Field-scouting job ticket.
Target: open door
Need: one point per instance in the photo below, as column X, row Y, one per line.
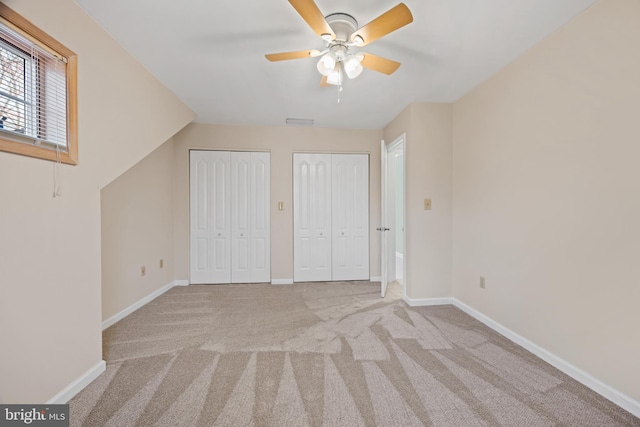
column 384, row 250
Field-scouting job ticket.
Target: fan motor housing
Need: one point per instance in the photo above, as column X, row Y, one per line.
column 343, row 26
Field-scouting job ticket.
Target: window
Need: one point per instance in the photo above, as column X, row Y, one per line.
column 38, row 92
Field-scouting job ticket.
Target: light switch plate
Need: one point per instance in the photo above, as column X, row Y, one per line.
column 427, row 204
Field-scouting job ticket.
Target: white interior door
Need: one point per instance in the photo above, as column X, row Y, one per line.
column 241, row 208
column 350, row 216
column 230, row 217
column 210, row 217
column 384, row 250
column 312, row 217
column 260, row 218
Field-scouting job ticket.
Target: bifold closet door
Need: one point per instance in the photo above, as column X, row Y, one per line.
column 230, row 217
column 312, row 217
column 250, row 222
column 210, row 222
column 331, row 217
column 350, row 216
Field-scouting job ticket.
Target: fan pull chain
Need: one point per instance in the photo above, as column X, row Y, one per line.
column 339, row 80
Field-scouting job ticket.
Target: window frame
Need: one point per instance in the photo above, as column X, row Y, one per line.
column 28, row 148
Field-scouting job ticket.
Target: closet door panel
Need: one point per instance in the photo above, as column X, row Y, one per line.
column 342, row 189
column 260, row 218
column 221, row 210
column 210, row 217
column 240, row 209
column 350, row 217
column 360, row 225
column 200, row 170
column 302, row 216
column 312, row 217
column 321, row 215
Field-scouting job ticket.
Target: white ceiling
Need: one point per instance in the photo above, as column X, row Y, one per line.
column 211, row 53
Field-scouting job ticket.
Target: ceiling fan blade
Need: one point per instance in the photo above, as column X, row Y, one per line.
column 323, row 81
column 312, row 15
column 391, row 20
column 300, row 54
column 379, row 64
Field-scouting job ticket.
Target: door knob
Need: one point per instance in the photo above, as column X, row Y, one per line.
column 382, row 229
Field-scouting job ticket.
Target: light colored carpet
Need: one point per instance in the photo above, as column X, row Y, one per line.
column 332, row 354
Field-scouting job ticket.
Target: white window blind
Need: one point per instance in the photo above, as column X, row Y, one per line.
column 33, row 92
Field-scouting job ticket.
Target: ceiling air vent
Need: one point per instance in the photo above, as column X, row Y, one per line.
column 299, row 122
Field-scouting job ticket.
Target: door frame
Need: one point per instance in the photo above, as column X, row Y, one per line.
column 190, row 251
column 398, row 144
column 369, row 207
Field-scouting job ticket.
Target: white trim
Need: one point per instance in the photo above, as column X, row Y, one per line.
column 76, row 386
column 427, row 301
column 577, row 374
column 127, row 311
column 375, row 279
column 396, row 142
column 282, row 281
column 399, row 255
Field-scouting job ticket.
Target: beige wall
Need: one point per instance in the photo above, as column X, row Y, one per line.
column 427, row 128
column 546, row 186
column 282, row 142
column 137, row 230
column 50, row 310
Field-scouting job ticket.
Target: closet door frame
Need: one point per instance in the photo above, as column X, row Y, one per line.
column 239, row 236
column 308, row 248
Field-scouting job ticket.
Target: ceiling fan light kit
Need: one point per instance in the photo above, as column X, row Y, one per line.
column 340, row 33
column 353, row 65
column 335, row 76
column 326, row 64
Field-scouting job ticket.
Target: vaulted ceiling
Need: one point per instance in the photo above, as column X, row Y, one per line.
column 211, row 53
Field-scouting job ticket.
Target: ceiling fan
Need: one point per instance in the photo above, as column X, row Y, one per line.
column 341, row 35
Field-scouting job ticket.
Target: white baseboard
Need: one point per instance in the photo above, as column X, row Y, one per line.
column 180, row 283
column 577, row 374
column 127, row 311
column 282, row 281
column 80, row 383
column 427, row 301
column 375, row 279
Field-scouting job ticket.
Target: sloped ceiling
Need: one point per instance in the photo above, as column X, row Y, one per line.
column 211, row 53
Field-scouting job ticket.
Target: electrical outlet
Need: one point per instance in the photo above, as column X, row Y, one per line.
column 143, row 271
column 161, row 263
column 482, row 282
